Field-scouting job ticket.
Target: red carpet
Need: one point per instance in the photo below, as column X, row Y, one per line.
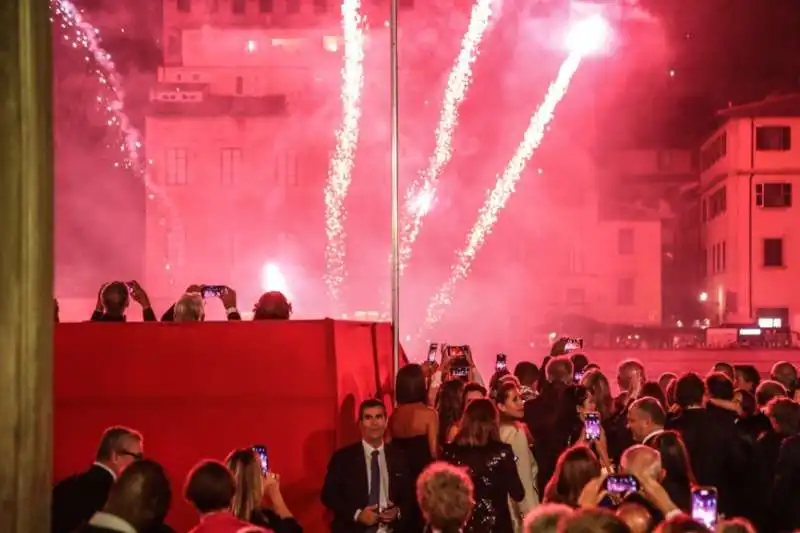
column 200, row 390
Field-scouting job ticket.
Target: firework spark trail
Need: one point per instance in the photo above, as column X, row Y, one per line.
column 421, row 192
column 341, row 165
column 498, row 196
column 80, row 33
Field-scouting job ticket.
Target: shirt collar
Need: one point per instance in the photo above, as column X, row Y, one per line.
column 653, row 434
column 368, row 449
column 112, row 522
column 107, row 469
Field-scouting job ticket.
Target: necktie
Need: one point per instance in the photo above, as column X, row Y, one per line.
column 374, row 479
column 374, row 497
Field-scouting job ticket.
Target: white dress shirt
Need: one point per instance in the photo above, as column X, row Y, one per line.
column 651, row 435
column 110, row 521
column 383, row 500
column 107, row 469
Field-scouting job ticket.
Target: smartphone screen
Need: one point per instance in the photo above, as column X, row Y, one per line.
column 501, row 363
column 592, row 426
column 211, row 291
column 704, row 506
column 622, row 484
column 432, row 349
column 578, row 376
column 461, row 372
column 261, row 451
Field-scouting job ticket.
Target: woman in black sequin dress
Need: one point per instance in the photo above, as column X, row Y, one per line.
column 491, row 466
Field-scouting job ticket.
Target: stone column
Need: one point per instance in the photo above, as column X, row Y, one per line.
column 26, row 266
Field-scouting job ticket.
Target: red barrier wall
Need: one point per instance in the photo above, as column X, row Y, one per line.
column 199, row 390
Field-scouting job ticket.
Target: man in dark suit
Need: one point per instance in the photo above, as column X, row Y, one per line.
column 114, row 298
column 138, row 502
column 78, row 497
column 366, row 486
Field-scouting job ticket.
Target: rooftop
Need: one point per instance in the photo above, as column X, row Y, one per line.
column 782, row 105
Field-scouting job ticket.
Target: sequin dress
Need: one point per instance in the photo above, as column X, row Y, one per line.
column 493, row 471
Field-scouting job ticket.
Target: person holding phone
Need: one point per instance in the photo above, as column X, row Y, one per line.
column 454, row 361
column 258, row 497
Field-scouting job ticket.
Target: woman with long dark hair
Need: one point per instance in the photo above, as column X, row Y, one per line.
column 678, row 476
column 414, row 430
column 575, row 468
column 491, row 467
column 450, row 406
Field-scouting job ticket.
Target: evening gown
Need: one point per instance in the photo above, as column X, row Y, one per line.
column 493, row 471
column 417, row 455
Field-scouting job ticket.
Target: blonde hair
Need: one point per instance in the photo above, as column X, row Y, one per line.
column 445, row 495
column 249, row 482
column 190, row 308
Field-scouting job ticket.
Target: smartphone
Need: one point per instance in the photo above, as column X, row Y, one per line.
column 461, row 372
column 501, row 363
column 212, row 291
column 621, row 484
column 573, row 344
column 592, row 426
column 704, row 506
column 129, row 284
column 578, row 376
column 261, row 451
column 432, row 349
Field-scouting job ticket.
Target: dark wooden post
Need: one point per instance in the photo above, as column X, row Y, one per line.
column 26, row 266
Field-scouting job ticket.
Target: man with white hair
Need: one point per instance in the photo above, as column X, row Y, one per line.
column 642, row 460
column 190, row 308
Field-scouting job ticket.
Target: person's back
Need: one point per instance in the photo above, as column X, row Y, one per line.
column 139, row 501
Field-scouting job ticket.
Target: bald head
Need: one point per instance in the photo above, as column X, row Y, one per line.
column 141, row 496
column 636, row 517
column 642, row 460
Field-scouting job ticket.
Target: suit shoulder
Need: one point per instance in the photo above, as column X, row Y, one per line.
column 346, row 452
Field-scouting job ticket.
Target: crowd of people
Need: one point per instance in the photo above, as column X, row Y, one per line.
column 680, row 454
column 114, row 300
column 545, row 448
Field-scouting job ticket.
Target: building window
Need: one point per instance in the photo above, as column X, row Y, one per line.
column 265, row 6
column 723, row 256
column 576, row 296
column 625, row 241
column 774, row 194
column 717, row 203
column 576, row 265
column 773, row 252
column 714, row 259
column 287, row 168
column 773, row 138
column 704, row 264
column 176, row 246
column 176, row 170
column 231, row 166
column 239, row 7
column 704, row 210
column 293, row 6
column 185, row 6
column 320, row 6
column 625, row 294
column 716, row 150
column 239, row 85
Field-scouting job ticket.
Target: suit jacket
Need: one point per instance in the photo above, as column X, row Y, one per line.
column 717, row 452
column 783, row 501
column 78, row 497
column 346, row 487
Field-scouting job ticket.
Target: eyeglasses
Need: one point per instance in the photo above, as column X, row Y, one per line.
column 137, row 456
